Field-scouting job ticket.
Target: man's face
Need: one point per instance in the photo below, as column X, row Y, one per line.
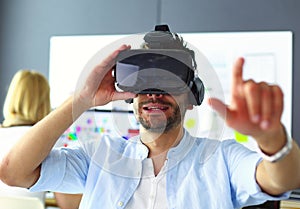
column 160, row 112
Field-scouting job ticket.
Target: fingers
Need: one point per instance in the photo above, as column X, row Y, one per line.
column 252, row 95
column 98, row 88
column 109, row 62
column 254, row 106
column 264, row 103
column 237, row 77
column 278, row 102
column 98, row 73
column 218, row 106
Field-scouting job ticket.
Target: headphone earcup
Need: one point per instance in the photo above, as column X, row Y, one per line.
column 197, row 90
column 129, row 101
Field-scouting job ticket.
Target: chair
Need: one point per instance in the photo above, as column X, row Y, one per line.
column 8, row 202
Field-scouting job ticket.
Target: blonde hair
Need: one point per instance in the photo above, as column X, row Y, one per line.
column 27, row 100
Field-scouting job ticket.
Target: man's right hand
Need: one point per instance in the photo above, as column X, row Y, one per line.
column 99, row 88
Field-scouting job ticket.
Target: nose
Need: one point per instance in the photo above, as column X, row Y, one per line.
column 154, row 96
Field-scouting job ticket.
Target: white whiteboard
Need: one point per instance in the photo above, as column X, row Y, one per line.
column 268, row 57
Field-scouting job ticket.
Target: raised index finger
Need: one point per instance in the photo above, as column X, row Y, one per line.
column 237, row 78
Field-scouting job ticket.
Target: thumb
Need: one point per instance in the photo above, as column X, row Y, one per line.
column 218, row 106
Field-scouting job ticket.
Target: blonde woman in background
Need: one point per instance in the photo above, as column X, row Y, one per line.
column 27, row 102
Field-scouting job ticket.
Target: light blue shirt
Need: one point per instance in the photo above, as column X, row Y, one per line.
column 201, row 173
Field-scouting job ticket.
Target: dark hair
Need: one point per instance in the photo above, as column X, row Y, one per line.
column 167, row 40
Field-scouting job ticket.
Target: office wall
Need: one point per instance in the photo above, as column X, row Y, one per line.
column 26, row 26
column 235, row 15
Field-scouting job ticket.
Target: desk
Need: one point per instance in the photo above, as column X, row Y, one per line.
column 289, row 204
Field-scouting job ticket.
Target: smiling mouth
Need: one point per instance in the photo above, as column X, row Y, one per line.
column 154, row 108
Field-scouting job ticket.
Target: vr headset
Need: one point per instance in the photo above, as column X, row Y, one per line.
column 154, row 71
column 158, row 70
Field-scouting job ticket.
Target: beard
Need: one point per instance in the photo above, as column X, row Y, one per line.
column 163, row 125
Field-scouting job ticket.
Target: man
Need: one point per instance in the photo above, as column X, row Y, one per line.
column 163, row 167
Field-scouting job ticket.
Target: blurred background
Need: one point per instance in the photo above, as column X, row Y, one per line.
column 27, row 26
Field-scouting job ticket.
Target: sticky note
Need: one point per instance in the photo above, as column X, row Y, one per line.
column 190, row 123
column 240, row 137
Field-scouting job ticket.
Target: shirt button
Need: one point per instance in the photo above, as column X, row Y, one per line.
column 120, row 203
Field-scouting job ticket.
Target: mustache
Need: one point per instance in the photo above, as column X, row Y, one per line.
column 156, row 101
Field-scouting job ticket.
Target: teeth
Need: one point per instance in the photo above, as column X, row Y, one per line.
column 156, row 108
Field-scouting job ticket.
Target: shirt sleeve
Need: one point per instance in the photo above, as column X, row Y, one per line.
column 64, row 170
column 242, row 164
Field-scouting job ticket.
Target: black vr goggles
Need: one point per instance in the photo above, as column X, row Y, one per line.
column 154, row 71
column 158, row 71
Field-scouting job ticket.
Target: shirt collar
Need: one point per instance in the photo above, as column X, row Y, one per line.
column 175, row 153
